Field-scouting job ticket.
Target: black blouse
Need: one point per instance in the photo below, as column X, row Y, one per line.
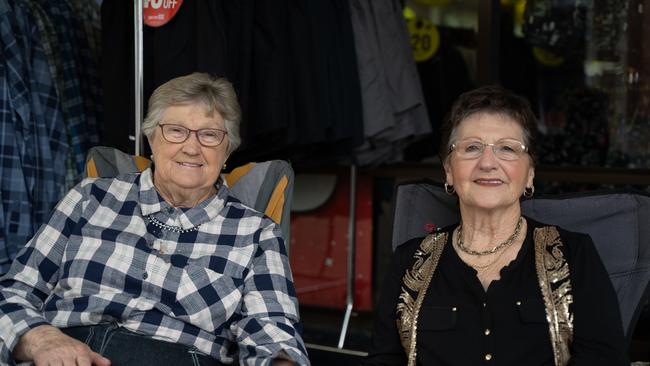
column 461, row 324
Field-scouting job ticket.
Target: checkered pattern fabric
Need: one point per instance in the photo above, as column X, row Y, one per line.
column 81, row 125
column 33, row 139
column 215, row 276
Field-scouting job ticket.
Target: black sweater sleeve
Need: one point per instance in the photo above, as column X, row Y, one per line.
column 598, row 332
column 386, row 347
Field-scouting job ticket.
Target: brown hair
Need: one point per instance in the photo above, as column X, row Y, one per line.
column 489, row 99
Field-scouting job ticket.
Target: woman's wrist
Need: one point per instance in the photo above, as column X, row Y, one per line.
column 31, row 341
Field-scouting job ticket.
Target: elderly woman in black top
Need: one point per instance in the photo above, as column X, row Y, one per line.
column 497, row 288
column 160, row 267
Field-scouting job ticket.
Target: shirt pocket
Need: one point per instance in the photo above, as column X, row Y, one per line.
column 437, row 318
column 206, row 298
column 531, row 311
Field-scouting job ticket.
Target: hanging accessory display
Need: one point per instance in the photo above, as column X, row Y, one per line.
column 161, row 225
column 493, row 250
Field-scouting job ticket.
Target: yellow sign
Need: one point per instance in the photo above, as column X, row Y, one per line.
column 547, row 58
column 425, row 38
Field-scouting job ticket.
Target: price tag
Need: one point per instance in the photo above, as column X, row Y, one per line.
column 157, row 13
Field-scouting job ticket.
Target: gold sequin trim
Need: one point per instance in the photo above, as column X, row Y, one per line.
column 416, row 282
column 553, row 276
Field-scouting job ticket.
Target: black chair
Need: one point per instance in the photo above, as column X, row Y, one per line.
column 618, row 222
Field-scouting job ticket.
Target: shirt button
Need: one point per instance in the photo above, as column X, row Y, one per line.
column 144, row 275
column 487, row 331
column 485, row 304
column 488, row 357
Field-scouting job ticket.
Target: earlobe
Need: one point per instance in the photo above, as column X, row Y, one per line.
column 448, row 176
column 531, row 177
column 449, row 180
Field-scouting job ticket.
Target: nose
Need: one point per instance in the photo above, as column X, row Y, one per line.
column 488, row 160
column 192, row 145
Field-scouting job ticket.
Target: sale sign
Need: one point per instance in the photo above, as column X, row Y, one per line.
column 157, row 13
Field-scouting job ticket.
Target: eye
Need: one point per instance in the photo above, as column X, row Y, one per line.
column 212, row 135
column 473, row 146
column 508, row 148
column 209, row 134
column 176, row 130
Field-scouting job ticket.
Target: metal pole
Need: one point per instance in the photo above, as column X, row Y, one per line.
column 487, row 66
column 351, row 254
column 137, row 53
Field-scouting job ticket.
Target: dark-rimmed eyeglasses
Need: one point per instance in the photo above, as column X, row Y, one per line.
column 506, row 149
column 177, row 134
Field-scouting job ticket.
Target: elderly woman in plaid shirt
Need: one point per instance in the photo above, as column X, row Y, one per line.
column 161, row 267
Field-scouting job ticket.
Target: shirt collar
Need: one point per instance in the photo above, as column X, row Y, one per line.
column 151, row 203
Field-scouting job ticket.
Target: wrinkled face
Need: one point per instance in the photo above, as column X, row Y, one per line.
column 180, row 167
column 487, row 182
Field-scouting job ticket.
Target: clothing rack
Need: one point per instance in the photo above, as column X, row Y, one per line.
column 349, row 288
column 138, row 65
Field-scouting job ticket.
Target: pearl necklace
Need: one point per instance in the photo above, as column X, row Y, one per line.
column 161, row 225
column 493, row 250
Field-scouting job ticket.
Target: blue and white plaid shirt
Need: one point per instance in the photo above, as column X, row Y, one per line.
column 215, row 276
column 33, row 135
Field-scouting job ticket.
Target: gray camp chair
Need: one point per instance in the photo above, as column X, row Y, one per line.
column 266, row 186
column 618, row 222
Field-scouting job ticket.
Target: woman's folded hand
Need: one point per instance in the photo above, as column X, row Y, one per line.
column 47, row 345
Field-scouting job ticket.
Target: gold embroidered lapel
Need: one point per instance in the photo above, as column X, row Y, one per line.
column 415, row 284
column 553, row 276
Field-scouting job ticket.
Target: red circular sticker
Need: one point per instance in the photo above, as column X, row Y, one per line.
column 157, row 13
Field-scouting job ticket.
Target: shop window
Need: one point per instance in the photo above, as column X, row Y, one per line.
column 584, row 65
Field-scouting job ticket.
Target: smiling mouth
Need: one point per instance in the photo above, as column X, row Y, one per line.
column 190, row 165
column 489, row 182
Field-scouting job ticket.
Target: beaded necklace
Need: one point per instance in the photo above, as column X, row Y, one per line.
column 161, row 225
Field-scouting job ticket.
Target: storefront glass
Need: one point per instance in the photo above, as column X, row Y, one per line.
column 584, row 65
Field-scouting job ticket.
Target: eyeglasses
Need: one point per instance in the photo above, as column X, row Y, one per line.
column 208, row 137
column 507, row 149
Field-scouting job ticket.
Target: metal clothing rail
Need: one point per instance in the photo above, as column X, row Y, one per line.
column 138, row 64
column 351, row 255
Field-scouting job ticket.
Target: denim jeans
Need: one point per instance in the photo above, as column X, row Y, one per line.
column 126, row 348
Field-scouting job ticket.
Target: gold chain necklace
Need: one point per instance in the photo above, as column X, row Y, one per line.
column 493, row 250
column 477, row 267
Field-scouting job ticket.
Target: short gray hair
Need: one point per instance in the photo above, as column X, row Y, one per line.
column 216, row 94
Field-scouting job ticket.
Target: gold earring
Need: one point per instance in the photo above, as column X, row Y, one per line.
column 529, row 191
column 449, row 189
